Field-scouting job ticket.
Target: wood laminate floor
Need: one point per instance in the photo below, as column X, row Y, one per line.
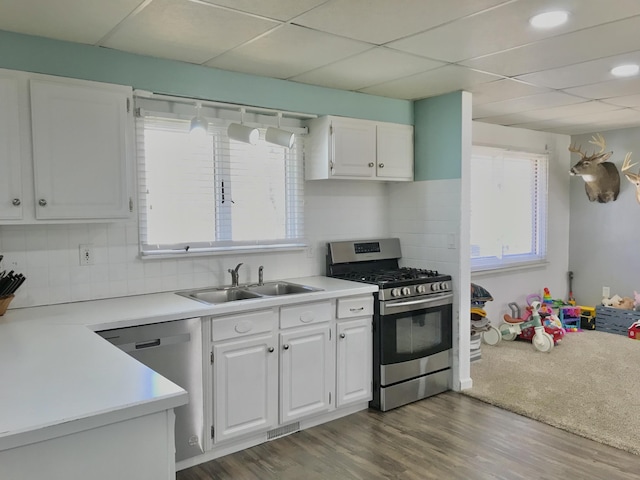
column 446, row 437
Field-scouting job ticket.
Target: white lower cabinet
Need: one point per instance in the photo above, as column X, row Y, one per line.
column 354, row 350
column 305, row 372
column 353, row 354
column 274, row 367
column 244, row 362
column 245, row 387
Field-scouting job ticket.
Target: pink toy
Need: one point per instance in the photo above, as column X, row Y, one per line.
column 636, row 302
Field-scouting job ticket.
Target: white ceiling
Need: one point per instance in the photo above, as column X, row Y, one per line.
column 552, row 80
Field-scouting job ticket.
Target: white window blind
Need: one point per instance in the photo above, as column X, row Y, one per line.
column 214, row 194
column 508, row 208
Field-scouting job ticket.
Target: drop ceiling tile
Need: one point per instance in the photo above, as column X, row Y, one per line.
column 584, row 73
column 375, row 66
column 610, row 89
column 624, row 101
column 186, row 31
column 288, row 51
column 504, row 89
column 532, row 102
column 621, row 118
column 381, row 21
column 83, row 22
column 279, row 10
column 441, row 80
column 563, row 111
column 601, row 41
column 507, row 26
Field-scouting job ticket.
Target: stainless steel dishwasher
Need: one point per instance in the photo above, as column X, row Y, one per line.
column 174, row 350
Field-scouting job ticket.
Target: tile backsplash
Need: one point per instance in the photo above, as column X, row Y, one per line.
column 49, row 255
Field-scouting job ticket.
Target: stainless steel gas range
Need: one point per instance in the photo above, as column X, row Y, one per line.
column 412, row 324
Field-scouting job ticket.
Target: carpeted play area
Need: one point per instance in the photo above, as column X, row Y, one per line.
column 587, row 385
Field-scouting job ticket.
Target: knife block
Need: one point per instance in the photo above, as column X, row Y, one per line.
column 4, row 303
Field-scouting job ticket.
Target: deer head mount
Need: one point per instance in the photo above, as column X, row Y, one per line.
column 601, row 178
column 632, row 177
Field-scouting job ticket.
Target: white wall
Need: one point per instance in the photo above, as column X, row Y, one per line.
column 604, row 236
column 48, row 254
column 514, row 286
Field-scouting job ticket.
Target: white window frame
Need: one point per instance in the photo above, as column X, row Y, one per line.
column 537, row 254
column 220, row 115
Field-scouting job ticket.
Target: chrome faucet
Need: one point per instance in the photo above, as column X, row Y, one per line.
column 260, row 275
column 234, row 275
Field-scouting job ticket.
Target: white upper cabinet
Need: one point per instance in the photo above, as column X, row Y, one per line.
column 11, row 197
column 81, row 147
column 66, row 150
column 395, row 151
column 347, row 148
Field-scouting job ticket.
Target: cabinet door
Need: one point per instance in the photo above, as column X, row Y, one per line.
column 81, row 133
column 395, row 152
column 306, row 372
column 353, row 148
column 354, row 357
column 245, row 387
column 10, row 155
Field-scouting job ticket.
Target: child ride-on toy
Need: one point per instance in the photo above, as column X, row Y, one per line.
column 541, row 340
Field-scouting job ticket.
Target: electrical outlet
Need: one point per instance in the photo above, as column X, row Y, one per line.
column 606, row 292
column 86, row 254
column 311, row 252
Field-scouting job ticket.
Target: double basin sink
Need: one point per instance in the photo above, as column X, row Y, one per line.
column 216, row 295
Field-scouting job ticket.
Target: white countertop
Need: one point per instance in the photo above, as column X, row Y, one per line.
column 58, row 377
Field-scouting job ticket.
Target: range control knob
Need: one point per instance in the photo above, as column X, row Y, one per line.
column 444, row 286
column 406, row 291
column 421, row 289
column 395, row 292
column 435, row 286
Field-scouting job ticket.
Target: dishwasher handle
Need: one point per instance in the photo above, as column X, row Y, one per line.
column 153, row 343
column 148, row 344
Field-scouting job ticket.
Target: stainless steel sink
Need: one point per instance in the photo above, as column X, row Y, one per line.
column 280, row 288
column 219, row 295
column 216, row 295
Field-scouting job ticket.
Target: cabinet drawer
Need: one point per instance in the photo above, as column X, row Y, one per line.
column 306, row 314
column 224, row 328
column 355, row 306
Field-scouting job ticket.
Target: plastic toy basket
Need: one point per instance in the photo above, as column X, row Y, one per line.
column 615, row 320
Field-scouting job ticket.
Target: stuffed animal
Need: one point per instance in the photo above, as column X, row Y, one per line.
column 610, row 302
column 625, row 303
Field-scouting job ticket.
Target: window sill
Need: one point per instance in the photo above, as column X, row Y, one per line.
column 487, row 271
column 167, row 254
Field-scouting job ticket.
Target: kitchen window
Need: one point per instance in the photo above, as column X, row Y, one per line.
column 212, row 194
column 508, row 208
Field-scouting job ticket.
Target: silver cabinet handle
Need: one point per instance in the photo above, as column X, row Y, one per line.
column 342, row 335
column 42, row 202
column 286, row 346
column 371, row 164
column 270, row 349
column 381, row 165
column 15, row 202
column 356, row 309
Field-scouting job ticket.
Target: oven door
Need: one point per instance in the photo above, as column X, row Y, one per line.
column 415, row 328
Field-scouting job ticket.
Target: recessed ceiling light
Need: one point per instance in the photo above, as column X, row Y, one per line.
column 549, row 19
column 625, row 70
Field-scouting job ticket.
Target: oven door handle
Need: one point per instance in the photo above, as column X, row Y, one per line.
column 425, row 301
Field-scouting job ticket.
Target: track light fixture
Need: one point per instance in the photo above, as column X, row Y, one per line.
column 243, row 133
column 277, row 136
column 199, row 125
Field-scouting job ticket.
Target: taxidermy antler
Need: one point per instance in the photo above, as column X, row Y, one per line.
column 632, row 177
column 601, row 178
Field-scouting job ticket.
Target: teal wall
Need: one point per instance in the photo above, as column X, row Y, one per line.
column 53, row 57
column 438, row 137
